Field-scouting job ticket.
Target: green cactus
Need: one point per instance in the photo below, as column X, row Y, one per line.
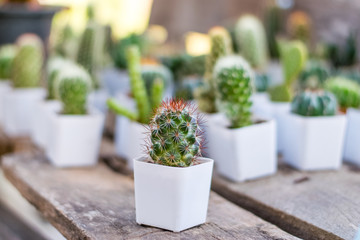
column 7, row 55
column 72, row 87
column 311, row 103
column 220, row 46
column 344, row 55
column 314, row 75
column 144, row 103
column 251, row 38
column 233, row 77
column 347, row 92
column 64, row 42
column 54, row 66
column 261, row 82
column 175, row 135
column 151, row 72
column 273, row 25
column 293, row 57
column 28, row 62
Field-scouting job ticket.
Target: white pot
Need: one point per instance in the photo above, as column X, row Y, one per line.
column 5, row 87
column 261, row 105
column 172, row 198
column 18, row 110
column 279, row 110
column 75, row 139
column 314, row 143
column 244, row 153
column 97, row 99
column 41, row 121
column 352, row 137
column 210, row 123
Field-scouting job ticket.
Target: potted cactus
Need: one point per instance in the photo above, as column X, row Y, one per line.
column 151, row 72
column 75, row 131
column 347, row 93
column 172, row 182
column 293, row 57
column 26, row 76
column 129, row 129
column 314, row 134
column 237, row 142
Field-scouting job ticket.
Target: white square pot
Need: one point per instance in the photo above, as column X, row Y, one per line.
column 75, row 139
column 314, row 143
column 352, row 137
column 172, row 198
column 261, row 105
column 244, row 153
column 210, row 122
column 5, row 87
column 41, row 121
column 279, row 110
column 18, row 110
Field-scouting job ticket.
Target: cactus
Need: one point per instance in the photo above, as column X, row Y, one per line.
column 7, row 55
column 151, row 72
column 72, row 87
column 144, row 103
column 311, row 103
column 175, row 134
column 293, row 57
column 233, row 77
column 261, row 82
column 299, row 26
column 251, row 38
column 344, row 55
column 314, row 75
column 347, row 92
column 28, row 62
column 273, row 25
column 54, row 66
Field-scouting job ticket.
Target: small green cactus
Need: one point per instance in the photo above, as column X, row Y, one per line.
column 7, row 55
column 233, row 77
column 293, row 57
column 175, row 135
column 347, row 92
column 220, row 46
column 54, row 66
column 72, row 87
column 28, row 62
column 251, row 38
column 151, row 72
column 314, row 75
column 311, row 103
column 145, row 104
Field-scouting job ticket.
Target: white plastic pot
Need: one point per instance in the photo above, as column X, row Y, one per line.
column 279, row 110
column 41, row 121
column 19, row 105
column 244, row 153
column 210, row 123
column 314, row 143
column 172, row 198
column 75, row 139
column 5, row 87
column 352, row 137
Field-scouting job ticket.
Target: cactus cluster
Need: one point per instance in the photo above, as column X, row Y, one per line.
column 72, row 86
column 314, row 75
column 28, row 62
column 145, row 103
column 293, row 57
column 54, row 66
column 251, row 39
column 347, row 92
column 220, row 46
column 151, row 72
column 299, row 26
column 175, row 134
column 233, row 77
column 7, row 55
column 311, row 103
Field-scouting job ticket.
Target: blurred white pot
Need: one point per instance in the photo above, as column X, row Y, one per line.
column 352, row 137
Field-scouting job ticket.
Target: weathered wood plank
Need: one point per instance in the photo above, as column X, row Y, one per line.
column 310, row 205
column 96, row 203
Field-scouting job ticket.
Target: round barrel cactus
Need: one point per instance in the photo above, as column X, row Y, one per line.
column 175, row 134
column 313, row 103
column 7, row 55
column 54, row 66
column 347, row 92
column 314, row 75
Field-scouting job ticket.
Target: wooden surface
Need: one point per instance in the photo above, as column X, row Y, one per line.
column 96, row 203
column 317, row 205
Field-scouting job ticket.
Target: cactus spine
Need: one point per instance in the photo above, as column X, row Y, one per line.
column 7, row 55
column 143, row 101
column 313, row 103
column 293, row 57
column 72, row 86
column 251, row 38
column 233, row 78
column 347, row 92
column 175, row 134
column 28, row 62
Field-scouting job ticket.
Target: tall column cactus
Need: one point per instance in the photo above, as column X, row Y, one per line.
column 293, row 57
column 221, row 45
column 7, row 55
column 144, row 103
column 251, row 39
column 233, row 77
column 28, row 62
